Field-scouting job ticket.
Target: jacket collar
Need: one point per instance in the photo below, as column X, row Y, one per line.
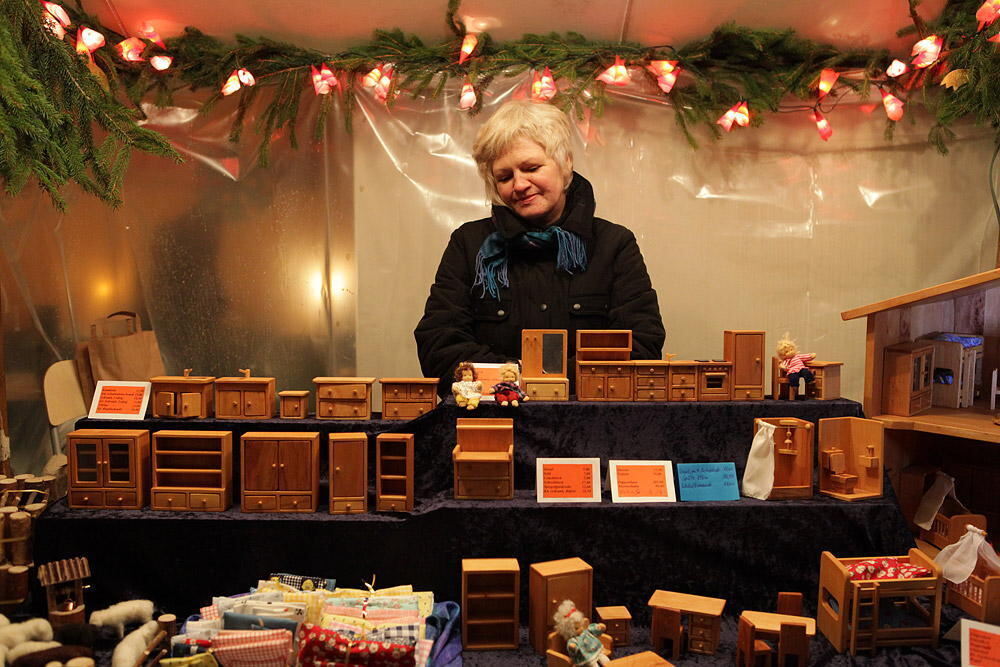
column 577, row 217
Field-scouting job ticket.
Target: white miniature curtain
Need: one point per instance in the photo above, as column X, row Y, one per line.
column 758, row 476
column 958, row 560
column 943, row 487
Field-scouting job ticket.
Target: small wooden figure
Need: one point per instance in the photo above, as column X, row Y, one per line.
column 490, row 604
column 618, row 622
column 508, row 390
column 850, row 458
column 583, row 638
column 185, row 396
column 244, row 397
column 293, row 404
column 63, row 583
column 483, row 459
column 793, row 457
column 466, row 388
column 394, row 472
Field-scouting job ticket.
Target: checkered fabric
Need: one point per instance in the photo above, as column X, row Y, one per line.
column 254, row 649
column 372, row 614
column 210, row 613
column 422, row 652
column 296, row 580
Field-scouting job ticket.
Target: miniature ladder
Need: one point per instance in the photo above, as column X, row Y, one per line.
column 864, row 611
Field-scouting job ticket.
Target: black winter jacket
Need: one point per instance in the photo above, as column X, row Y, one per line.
column 461, row 324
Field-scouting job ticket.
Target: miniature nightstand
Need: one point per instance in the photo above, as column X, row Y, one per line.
column 715, row 381
column 394, row 472
column 293, row 404
column 550, row 583
column 746, row 350
column 484, row 459
column 108, row 468
column 408, row 398
column 343, row 398
column 651, row 377
column 183, row 395
column 244, row 397
column 618, row 622
column 348, row 473
column 683, row 380
column 280, row 471
column 491, row 589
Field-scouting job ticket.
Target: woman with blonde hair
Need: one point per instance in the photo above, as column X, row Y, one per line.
column 542, row 260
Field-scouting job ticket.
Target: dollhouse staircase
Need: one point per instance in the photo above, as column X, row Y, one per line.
column 864, row 613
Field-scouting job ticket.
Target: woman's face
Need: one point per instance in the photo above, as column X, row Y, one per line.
column 530, row 182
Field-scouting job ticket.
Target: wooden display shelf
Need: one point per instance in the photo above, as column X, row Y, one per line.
column 975, row 423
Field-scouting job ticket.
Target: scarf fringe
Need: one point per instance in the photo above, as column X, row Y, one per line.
column 491, row 260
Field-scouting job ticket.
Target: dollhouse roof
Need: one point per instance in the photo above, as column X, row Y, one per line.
column 943, row 292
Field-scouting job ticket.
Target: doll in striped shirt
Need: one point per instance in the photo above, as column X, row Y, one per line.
column 793, row 363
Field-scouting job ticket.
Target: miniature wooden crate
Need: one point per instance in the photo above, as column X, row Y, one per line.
column 491, row 590
column 280, row 471
column 793, row 457
column 192, row 470
column 408, row 398
column 683, row 380
column 483, row 459
column 651, row 377
column 348, row 459
column 550, row 583
column 344, row 397
column 244, row 397
column 108, row 468
column 746, row 350
column 293, row 404
column 185, row 396
column 618, row 621
column 394, row 472
column 851, row 458
column 715, row 381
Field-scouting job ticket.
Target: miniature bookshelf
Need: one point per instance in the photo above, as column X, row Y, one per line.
column 490, row 603
column 192, row 470
column 394, row 472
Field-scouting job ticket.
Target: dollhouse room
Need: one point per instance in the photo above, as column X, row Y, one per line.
column 711, row 377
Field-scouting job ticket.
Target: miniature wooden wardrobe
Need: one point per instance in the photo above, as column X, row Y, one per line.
column 550, row 583
column 746, row 350
column 348, row 473
column 483, row 459
column 280, row 471
column 793, row 457
column 850, row 458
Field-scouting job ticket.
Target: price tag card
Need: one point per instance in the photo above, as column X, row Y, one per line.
column 117, row 399
column 980, row 644
column 489, row 375
column 641, row 481
column 568, row 480
column 708, row 481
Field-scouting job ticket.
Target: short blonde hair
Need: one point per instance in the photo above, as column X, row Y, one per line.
column 786, row 346
column 540, row 122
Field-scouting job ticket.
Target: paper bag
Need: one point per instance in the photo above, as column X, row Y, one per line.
column 120, row 350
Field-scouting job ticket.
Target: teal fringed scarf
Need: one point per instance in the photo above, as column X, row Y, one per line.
column 491, row 262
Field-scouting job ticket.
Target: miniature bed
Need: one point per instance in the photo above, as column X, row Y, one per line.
column 949, row 524
column 863, row 614
column 979, row 595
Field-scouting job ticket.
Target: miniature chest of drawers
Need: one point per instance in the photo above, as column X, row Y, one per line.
column 348, row 473
column 618, row 621
column 484, row 459
column 192, row 470
column 546, row 389
column 107, row 468
column 244, row 397
column 491, row 589
column 715, row 381
column 604, row 381
column 746, row 350
column 408, row 398
column 293, row 404
column 826, row 385
column 907, row 378
column 394, row 472
column 683, row 380
column 550, row 583
column 183, row 395
column 343, row 398
column 651, row 376
column 280, row 471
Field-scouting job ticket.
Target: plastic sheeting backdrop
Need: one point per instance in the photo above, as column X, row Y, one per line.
column 320, row 264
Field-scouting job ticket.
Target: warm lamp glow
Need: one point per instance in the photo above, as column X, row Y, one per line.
column 58, row 13
column 896, row 68
column 543, row 86
column 246, row 78
column 927, row 51
column 666, row 72
column 91, row 39
column 161, row 63
column 739, row 114
column 469, row 45
column 147, row 31
column 893, row 106
column 616, row 75
column 102, row 289
column 324, row 80
column 822, row 125
column 468, row 99
column 131, row 49
column 379, row 80
column 987, row 13
column 232, row 84
column 827, row 78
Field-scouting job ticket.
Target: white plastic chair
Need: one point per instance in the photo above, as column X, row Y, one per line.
column 63, row 399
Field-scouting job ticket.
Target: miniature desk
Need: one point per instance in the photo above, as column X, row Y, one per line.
column 769, row 624
column 703, row 613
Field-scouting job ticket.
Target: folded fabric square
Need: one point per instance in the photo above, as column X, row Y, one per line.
column 199, row 660
column 319, row 647
column 234, row 621
column 299, row 581
column 271, row 653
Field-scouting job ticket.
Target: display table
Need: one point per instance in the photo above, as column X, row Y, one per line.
column 743, row 551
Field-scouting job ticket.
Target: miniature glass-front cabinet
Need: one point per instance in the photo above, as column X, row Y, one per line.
column 550, row 583
column 280, row 471
column 394, row 472
column 348, row 473
column 490, row 603
column 192, row 470
column 107, row 468
column 907, row 378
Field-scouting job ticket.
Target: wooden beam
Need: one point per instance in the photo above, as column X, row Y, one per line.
column 949, row 290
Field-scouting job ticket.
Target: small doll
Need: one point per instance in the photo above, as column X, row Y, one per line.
column 583, row 638
column 507, row 391
column 793, row 363
column 467, row 389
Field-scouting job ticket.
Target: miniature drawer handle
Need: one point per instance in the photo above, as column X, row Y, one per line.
column 204, row 501
column 282, row 465
column 260, row 503
column 497, row 487
column 348, row 505
column 337, row 469
column 651, row 382
column 274, row 465
column 120, row 499
column 249, row 405
column 756, row 360
column 683, row 380
column 295, row 503
column 652, row 370
column 170, row 500
column 392, row 506
column 652, row 394
column 86, row 499
column 534, row 392
column 355, row 392
column 236, row 404
column 355, row 411
column 748, row 394
column 555, row 602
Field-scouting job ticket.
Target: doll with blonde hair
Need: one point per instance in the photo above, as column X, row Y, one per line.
column 583, row 638
column 507, row 391
column 794, row 363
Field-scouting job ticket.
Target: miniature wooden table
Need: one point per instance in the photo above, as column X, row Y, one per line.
column 644, row 659
column 703, row 623
column 768, row 625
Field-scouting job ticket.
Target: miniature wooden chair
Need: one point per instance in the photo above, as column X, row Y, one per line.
column 793, row 645
column 785, row 390
column 556, row 656
column 750, row 651
column 790, row 604
column 673, row 633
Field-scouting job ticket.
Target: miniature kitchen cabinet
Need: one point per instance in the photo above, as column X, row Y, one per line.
column 793, row 457
column 293, row 404
column 651, row 378
column 715, row 381
column 394, row 472
column 244, row 397
column 192, row 470
column 187, row 396
column 408, row 398
column 618, row 622
column 683, row 380
column 745, row 349
column 343, row 398
column 543, row 364
column 850, row 458
column 280, row 471
column 483, row 459
column 108, row 468
column 907, row 380
column 491, row 590
column 604, row 381
column 348, row 460
column 550, row 583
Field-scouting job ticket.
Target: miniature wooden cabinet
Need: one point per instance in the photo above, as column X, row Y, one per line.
column 604, row 381
column 546, row 389
column 715, row 381
column 192, row 470
column 550, row 583
column 408, row 398
column 348, row 459
column 394, row 472
column 543, row 353
column 704, row 619
column 343, row 398
column 483, row 459
column 603, row 345
column 826, row 385
column 959, row 362
column 293, row 404
column 745, row 349
column 683, row 380
column 851, row 458
column 244, row 397
column 618, row 622
column 907, row 379
column 793, row 457
column 108, row 468
column 183, row 395
column 651, row 376
column 280, row 471
column 491, row 589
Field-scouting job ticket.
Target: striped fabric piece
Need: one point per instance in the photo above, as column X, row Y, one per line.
column 254, row 649
column 313, row 600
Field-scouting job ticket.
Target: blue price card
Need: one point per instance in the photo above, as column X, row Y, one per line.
column 707, row 481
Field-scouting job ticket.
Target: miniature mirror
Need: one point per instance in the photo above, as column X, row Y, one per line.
column 553, row 353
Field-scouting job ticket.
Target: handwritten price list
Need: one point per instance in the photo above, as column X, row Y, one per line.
column 984, row 648
column 567, row 480
column 642, row 481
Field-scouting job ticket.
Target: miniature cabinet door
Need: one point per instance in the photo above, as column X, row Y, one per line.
column 260, row 465
column 591, row 386
column 84, row 460
column 255, row 403
column 748, row 367
column 349, row 469
column 229, row 403
column 165, row 404
column 294, row 464
column 119, row 461
column 619, row 388
column 190, row 404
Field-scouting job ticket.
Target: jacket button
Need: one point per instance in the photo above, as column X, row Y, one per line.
column 501, row 313
column 576, row 306
column 543, row 307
